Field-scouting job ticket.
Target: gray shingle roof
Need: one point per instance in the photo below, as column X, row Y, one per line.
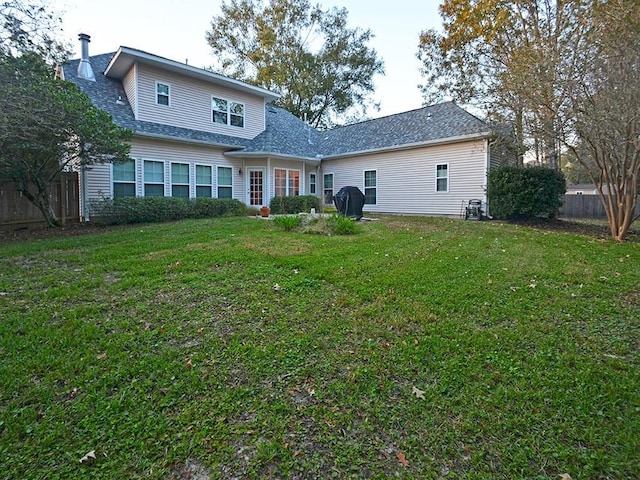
column 287, row 135
column 436, row 122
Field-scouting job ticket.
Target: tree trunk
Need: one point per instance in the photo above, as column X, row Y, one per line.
column 41, row 200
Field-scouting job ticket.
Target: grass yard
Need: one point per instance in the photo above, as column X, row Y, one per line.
column 419, row 348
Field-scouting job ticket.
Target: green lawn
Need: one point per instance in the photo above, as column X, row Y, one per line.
column 418, row 348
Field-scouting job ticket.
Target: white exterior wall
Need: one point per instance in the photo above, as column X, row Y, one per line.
column 99, row 177
column 129, row 82
column 406, row 179
column 190, row 103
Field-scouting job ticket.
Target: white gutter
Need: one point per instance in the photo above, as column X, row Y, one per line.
column 278, row 156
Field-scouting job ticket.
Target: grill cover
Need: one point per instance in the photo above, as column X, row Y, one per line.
column 349, row 202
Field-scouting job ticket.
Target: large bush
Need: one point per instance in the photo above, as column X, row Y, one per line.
column 524, row 192
column 161, row 209
column 294, row 204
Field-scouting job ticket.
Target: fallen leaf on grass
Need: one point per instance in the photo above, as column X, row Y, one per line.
column 89, row 457
column 403, row 460
column 418, row 393
column 565, row 476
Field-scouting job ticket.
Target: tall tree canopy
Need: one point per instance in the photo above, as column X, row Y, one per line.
column 561, row 70
column 322, row 68
column 31, row 26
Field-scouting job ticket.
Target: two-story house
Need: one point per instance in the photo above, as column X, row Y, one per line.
column 201, row 134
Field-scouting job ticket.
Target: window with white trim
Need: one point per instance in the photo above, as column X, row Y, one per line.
column 153, row 179
column 312, row 183
column 442, row 177
column 327, row 191
column 162, row 93
column 225, row 182
column 180, row 180
column 370, row 187
column 124, row 179
column 227, row 112
column 286, row 182
column 204, row 181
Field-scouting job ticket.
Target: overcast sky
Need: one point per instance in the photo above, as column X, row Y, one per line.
column 176, row 29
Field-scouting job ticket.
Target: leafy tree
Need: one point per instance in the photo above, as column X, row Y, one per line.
column 562, row 71
column 322, row 68
column 31, row 26
column 48, row 126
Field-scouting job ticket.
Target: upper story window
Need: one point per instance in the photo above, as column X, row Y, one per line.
column 227, row 112
column 442, row 178
column 162, row 93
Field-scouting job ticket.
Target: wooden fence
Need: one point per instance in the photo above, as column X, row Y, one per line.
column 585, row 206
column 15, row 209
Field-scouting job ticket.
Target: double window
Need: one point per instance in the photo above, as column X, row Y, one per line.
column 286, row 182
column 327, row 191
column 442, row 178
column 124, row 179
column 227, row 112
column 370, row 187
column 162, row 93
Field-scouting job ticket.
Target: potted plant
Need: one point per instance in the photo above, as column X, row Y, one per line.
column 264, row 211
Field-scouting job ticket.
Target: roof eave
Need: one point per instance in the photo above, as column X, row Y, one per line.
column 124, row 53
column 170, row 138
column 410, row 146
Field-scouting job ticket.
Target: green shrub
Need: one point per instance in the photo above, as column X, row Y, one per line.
column 341, row 225
column 521, row 193
column 288, row 222
column 294, row 204
column 161, row 209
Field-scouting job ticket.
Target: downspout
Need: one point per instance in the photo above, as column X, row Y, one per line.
column 268, row 182
column 84, row 194
column 486, row 175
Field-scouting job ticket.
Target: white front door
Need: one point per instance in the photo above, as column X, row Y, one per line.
column 256, row 189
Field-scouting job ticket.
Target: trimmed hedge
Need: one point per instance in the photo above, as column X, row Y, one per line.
column 161, row 209
column 294, row 204
column 525, row 192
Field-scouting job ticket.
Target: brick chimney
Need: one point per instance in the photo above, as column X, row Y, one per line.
column 84, row 67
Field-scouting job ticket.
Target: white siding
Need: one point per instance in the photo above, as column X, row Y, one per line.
column 130, row 87
column 406, row 179
column 99, row 181
column 190, row 104
column 99, row 176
